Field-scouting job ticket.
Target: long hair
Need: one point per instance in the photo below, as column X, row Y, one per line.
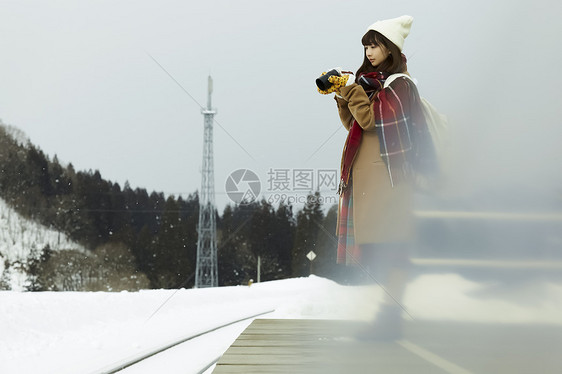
column 393, row 63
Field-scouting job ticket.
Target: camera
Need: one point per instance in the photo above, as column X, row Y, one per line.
column 323, row 83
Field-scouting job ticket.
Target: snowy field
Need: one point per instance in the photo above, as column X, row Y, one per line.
column 74, row 333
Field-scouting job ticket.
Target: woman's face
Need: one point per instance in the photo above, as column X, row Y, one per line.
column 376, row 54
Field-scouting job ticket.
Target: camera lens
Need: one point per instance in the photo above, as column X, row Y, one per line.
column 323, row 83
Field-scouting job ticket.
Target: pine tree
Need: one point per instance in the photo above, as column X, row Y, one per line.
column 309, row 221
column 189, row 216
column 142, row 250
column 169, row 256
column 236, row 262
column 284, row 238
column 325, row 262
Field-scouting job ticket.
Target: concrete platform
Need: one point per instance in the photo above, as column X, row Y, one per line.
column 327, row 346
column 312, row 346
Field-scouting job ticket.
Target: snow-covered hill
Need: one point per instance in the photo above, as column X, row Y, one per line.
column 22, row 240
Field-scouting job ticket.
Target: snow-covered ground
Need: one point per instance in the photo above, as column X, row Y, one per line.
column 73, row 333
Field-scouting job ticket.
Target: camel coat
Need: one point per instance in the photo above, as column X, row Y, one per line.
column 381, row 213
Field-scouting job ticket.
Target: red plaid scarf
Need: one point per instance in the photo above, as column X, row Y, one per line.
column 405, row 143
column 371, row 83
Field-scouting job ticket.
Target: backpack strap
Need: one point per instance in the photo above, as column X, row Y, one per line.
column 392, row 77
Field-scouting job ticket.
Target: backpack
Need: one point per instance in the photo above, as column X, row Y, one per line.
column 437, row 124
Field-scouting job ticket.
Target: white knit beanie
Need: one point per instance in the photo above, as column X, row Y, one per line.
column 395, row 29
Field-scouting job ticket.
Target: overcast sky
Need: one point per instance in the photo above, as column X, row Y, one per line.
column 85, row 80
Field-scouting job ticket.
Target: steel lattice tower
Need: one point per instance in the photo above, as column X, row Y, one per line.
column 206, row 273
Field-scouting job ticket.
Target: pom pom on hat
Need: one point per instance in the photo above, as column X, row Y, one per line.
column 394, row 29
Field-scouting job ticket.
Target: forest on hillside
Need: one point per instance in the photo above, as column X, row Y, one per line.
column 149, row 240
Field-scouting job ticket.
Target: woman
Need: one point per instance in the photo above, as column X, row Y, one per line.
column 387, row 145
